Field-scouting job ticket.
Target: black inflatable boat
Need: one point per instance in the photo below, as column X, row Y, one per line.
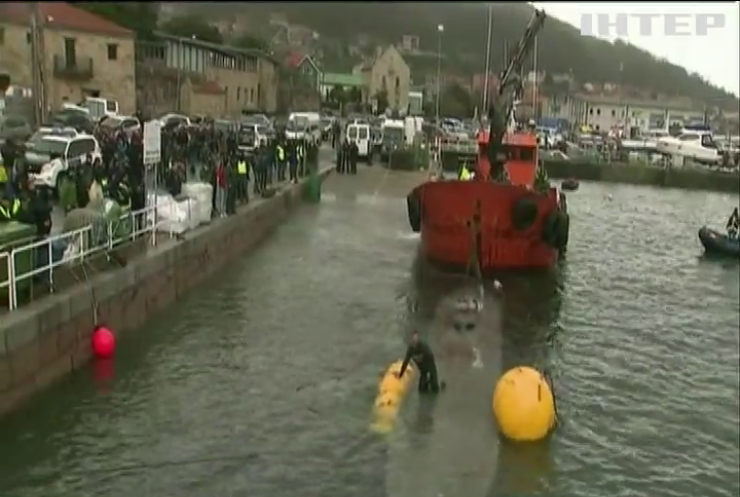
column 717, row 243
column 569, row 185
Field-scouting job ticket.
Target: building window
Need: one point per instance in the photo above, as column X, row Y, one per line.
column 598, row 112
column 398, row 82
column 238, row 93
column 259, row 92
column 70, row 52
column 112, row 51
column 591, row 111
column 251, row 95
column 614, row 112
column 2, row 36
column 28, row 37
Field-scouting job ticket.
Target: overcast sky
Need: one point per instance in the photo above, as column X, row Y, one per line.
column 714, row 56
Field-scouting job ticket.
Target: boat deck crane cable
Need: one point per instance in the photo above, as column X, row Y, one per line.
column 501, row 110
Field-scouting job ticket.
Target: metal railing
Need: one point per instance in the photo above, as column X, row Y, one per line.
column 74, row 247
column 80, row 68
column 6, row 260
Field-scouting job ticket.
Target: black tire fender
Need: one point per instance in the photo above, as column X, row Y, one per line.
column 524, row 213
column 550, row 229
column 413, row 206
column 563, row 231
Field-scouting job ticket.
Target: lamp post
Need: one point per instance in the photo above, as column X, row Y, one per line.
column 440, row 30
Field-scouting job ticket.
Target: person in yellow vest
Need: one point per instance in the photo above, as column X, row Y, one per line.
column 4, row 176
column 465, row 174
column 242, row 182
column 9, row 209
column 281, row 165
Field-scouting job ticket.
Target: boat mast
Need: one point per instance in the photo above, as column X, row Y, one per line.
column 510, row 86
column 484, row 107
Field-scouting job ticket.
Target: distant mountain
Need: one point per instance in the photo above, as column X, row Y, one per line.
column 562, row 49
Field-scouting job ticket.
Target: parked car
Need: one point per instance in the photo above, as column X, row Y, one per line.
column 169, row 121
column 127, row 124
column 15, row 128
column 51, row 157
column 81, row 121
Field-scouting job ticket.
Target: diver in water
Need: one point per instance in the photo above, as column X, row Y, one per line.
column 422, row 355
column 733, row 224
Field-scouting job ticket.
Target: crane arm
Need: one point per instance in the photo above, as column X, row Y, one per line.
column 501, row 111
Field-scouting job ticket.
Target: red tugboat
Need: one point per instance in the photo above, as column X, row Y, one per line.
column 507, row 216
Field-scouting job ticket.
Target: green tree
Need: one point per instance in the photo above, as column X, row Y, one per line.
column 338, row 95
column 192, row 26
column 381, row 97
column 355, row 95
column 457, row 101
column 139, row 17
column 561, row 46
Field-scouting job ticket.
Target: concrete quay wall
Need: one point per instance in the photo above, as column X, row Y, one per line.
column 50, row 338
column 634, row 174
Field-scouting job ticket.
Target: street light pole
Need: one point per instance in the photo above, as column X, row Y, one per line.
column 440, row 30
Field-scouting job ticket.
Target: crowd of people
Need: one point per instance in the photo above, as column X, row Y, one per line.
column 188, row 153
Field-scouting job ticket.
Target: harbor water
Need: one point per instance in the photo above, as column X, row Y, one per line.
column 261, row 382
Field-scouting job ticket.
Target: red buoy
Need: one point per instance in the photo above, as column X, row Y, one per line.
column 103, row 342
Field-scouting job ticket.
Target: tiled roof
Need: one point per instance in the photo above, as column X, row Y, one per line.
column 63, row 15
column 330, row 78
column 294, row 59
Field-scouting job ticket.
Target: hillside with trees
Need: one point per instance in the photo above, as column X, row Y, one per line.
column 562, row 49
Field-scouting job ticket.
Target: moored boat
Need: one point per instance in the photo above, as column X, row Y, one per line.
column 507, row 216
column 570, row 185
column 716, row 243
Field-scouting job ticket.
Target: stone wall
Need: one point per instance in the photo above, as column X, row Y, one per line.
column 111, row 78
column 51, row 338
column 157, row 89
column 685, row 178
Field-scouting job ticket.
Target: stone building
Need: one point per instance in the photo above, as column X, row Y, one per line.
column 387, row 72
column 195, row 77
column 82, row 54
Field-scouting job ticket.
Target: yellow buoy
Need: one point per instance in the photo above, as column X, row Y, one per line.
column 391, row 392
column 524, row 405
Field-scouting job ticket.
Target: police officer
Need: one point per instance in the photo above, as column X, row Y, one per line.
column 344, row 168
column 257, row 166
column 266, row 159
column 9, row 209
column 340, row 157
column 272, row 169
column 242, row 181
column 281, row 165
column 354, row 153
column 293, row 161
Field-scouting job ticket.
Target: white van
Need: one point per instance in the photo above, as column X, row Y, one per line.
column 360, row 134
column 304, row 125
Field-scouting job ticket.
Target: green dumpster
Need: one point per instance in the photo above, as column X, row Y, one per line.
column 312, row 190
column 14, row 235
